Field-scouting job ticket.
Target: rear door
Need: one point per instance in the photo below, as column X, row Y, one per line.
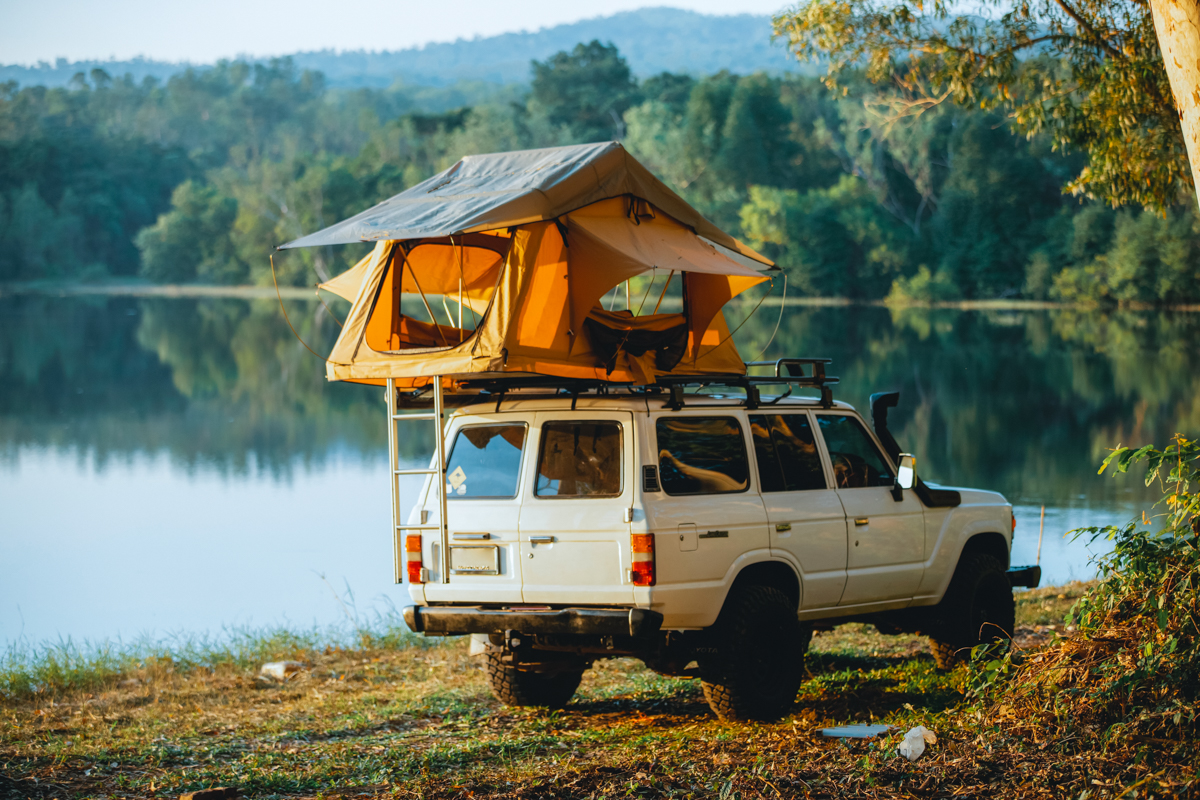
column 805, row 515
column 484, row 468
column 885, row 538
column 708, row 512
column 574, row 528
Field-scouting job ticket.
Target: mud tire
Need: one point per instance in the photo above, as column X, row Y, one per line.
column 978, row 607
column 758, row 663
column 515, row 687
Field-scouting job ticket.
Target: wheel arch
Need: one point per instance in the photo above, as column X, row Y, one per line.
column 777, row 574
column 990, row 543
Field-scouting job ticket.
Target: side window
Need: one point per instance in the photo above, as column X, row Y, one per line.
column 857, row 462
column 485, row 461
column 701, row 455
column 580, row 459
column 786, row 452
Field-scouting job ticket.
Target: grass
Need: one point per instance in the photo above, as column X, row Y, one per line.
column 378, row 717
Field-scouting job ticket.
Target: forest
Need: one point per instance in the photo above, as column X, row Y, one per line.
column 197, row 179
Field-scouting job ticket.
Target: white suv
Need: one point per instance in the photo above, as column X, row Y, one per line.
column 707, row 535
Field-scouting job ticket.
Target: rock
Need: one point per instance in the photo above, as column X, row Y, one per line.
column 217, row 793
column 280, row 670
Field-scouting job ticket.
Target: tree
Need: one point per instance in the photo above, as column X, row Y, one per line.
column 192, row 241
column 1177, row 23
column 586, row 90
column 834, row 242
column 1087, row 72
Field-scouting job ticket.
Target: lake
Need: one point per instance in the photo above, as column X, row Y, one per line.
column 181, row 465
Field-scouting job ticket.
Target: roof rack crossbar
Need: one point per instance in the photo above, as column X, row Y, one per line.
column 784, row 371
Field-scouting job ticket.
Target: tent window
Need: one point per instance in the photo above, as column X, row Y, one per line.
column 656, row 291
column 435, row 293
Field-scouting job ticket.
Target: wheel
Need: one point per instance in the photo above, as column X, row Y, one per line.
column 515, row 687
column 978, row 607
column 758, row 663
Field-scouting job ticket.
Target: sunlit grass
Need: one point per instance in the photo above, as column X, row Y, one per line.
column 51, row 669
column 372, row 715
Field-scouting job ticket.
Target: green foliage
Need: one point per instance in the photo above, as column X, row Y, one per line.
column 1151, row 259
column 923, row 288
column 1088, row 73
column 586, row 91
column 834, row 242
column 991, row 209
column 1144, row 616
column 853, row 191
column 192, row 241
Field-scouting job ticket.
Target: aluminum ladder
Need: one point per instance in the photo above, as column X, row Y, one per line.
column 438, row 471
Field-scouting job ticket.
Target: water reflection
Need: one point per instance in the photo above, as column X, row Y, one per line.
column 182, row 464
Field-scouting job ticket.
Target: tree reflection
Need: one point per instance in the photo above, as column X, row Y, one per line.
column 1022, row 401
column 1026, row 402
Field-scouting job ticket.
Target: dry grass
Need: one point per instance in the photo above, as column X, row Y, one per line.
column 420, row 722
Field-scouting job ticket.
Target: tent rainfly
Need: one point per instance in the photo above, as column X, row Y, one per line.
column 525, row 245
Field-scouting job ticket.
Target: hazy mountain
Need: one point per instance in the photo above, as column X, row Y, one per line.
column 652, row 39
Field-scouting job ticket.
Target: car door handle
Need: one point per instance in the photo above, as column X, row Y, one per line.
column 472, row 536
column 541, row 539
column 860, row 521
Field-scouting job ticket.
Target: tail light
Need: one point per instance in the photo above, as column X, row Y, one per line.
column 1014, row 521
column 412, row 558
column 642, row 545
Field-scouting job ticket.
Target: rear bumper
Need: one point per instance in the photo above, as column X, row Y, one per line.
column 450, row 620
column 1029, row 577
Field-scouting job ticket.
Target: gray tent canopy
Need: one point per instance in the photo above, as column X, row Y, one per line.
column 504, row 190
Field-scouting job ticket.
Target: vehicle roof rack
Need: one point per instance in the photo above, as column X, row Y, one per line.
column 785, row 371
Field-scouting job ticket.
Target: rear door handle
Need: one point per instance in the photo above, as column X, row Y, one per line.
column 541, row 539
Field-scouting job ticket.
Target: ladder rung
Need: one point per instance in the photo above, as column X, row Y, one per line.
column 415, row 471
column 425, row 415
column 418, row 527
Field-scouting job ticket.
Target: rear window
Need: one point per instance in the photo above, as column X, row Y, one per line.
column 580, row 459
column 702, row 455
column 787, row 453
column 485, row 461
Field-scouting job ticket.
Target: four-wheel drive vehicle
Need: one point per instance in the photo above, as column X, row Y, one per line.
column 707, row 538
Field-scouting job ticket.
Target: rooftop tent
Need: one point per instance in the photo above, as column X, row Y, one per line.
column 524, row 245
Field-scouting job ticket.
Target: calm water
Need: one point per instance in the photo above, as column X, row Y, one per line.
column 182, row 465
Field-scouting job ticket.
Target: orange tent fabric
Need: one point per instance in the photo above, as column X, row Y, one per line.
column 521, row 296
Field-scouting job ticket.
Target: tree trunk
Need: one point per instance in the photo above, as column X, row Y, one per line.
column 1177, row 23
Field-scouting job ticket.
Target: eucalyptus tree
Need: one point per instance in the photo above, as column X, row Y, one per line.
column 1089, row 73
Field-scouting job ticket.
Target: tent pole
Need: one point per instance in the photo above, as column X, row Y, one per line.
column 429, row 310
column 664, row 291
column 460, row 287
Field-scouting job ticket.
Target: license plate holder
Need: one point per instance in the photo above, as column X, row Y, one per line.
column 474, row 559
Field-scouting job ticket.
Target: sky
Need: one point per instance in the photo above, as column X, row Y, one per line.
column 203, row 31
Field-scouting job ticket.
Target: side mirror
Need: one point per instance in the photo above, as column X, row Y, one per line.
column 906, row 475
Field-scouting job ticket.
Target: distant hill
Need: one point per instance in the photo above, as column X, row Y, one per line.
column 652, row 39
